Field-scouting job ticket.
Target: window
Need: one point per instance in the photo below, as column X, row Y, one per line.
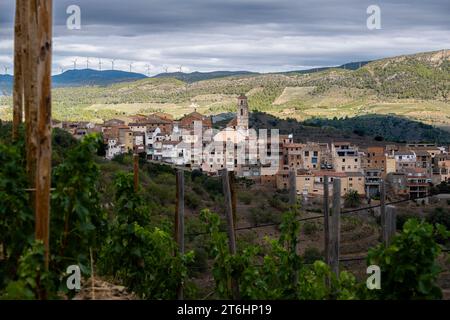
column 343, row 160
column 306, row 153
column 316, row 153
column 242, row 112
column 356, row 160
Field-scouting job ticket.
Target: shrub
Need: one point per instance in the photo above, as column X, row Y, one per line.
column 200, row 262
column 408, row 266
column 352, row 199
column 440, row 216
column 245, row 198
column 192, row 200
column 260, row 216
column 139, row 255
column 403, row 218
column 309, row 228
column 312, row 255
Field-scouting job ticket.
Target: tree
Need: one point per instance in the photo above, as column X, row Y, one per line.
column 352, row 199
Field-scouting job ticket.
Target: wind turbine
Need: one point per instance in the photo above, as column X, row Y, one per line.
column 181, row 68
column 148, row 70
column 62, row 69
column 87, row 63
column 131, row 66
column 75, row 64
column 112, row 63
column 6, row 69
column 166, row 68
column 100, row 64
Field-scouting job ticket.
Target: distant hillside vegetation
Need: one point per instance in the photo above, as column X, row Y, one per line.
column 79, row 78
column 89, row 77
column 390, row 128
column 200, row 76
column 420, row 76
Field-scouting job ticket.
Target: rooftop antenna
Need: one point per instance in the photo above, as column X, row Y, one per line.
column 112, row 63
column 100, row 64
column 87, row 63
column 75, row 64
column 131, row 66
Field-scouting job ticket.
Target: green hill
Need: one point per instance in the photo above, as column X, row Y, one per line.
column 415, row 87
column 389, row 128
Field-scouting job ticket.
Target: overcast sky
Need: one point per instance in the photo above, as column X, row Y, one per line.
column 254, row 35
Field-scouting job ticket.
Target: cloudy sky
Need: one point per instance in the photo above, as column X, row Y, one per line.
column 255, row 35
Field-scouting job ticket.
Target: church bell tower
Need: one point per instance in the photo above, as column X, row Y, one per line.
column 242, row 113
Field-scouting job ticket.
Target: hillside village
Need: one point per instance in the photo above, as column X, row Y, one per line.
column 408, row 169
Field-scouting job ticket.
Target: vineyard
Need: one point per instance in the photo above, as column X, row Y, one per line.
column 123, row 230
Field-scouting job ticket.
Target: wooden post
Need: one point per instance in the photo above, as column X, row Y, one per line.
column 31, row 91
column 232, row 178
column 326, row 216
column 176, row 223
column 389, row 227
column 43, row 12
column 335, row 227
column 179, row 222
column 18, row 92
column 292, row 188
column 293, row 203
column 383, row 210
column 92, row 275
column 230, row 225
column 136, row 171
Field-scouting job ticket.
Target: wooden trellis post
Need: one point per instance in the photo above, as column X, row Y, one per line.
column 179, row 222
column 232, row 178
column 335, row 227
column 136, row 172
column 326, row 216
column 31, row 89
column 390, row 225
column 383, row 210
column 382, row 201
column 38, row 69
column 230, row 227
column 19, row 44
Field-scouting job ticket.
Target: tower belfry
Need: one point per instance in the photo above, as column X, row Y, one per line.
column 242, row 113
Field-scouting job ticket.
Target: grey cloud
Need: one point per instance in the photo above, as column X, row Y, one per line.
column 258, row 35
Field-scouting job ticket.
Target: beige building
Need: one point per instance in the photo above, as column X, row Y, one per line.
column 346, row 157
